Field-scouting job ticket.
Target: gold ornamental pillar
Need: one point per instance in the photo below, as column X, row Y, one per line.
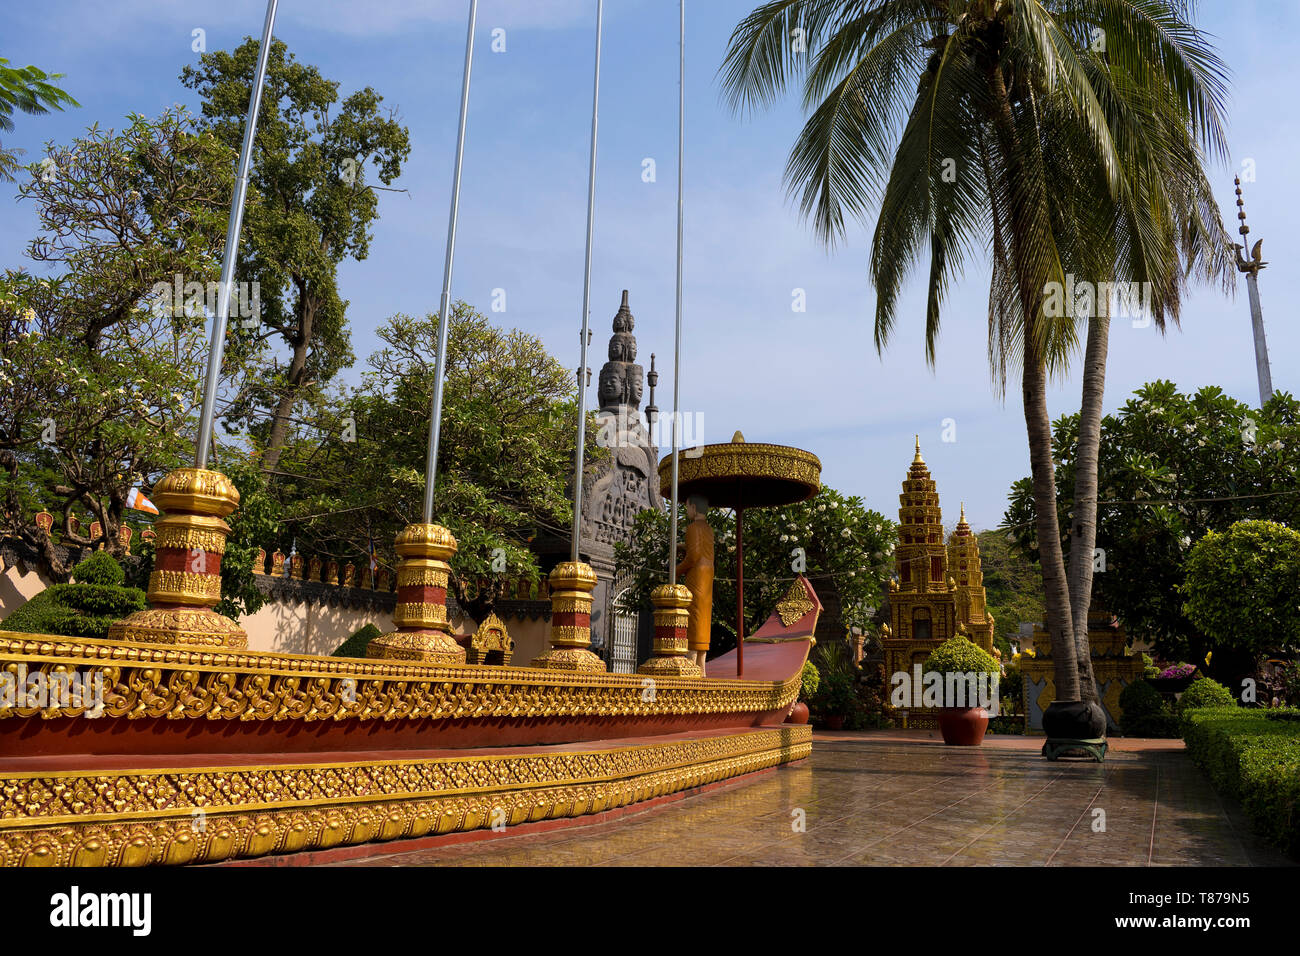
column 420, row 615
column 672, row 613
column 186, row 580
column 571, row 585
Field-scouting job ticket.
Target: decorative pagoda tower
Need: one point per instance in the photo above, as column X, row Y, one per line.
column 964, row 562
column 922, row 598
column 926, row 604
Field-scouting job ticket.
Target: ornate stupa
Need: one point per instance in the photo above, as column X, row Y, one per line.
column 927, row 605
column 964, row 564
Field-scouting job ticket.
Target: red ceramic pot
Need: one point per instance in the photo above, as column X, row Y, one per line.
column 798, row 713
column 963, row 726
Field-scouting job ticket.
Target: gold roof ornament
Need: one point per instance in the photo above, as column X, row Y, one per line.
column 795, row 604
column 918, row 460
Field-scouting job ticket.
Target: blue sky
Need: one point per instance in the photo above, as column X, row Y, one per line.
column 749, row 361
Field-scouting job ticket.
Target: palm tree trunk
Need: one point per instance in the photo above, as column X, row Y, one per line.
column 1038, row 423
column 1083, row 527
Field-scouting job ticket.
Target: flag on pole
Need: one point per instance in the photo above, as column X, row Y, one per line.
column 136, row 499
column 374, row 563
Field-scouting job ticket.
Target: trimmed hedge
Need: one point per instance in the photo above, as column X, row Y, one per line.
column 355, row 646
column 86, row 608
column 1253, row 756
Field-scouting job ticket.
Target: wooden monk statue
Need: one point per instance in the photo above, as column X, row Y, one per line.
column 696, row 572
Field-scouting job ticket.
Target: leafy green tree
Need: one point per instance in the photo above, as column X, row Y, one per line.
column 505, row 455
column 1064, row 137
column 1242, row 591
column 98, row 379
column 1173, row 467
column 28, row 90
column 1013, row 588
column 310, row 208
column 845, row 550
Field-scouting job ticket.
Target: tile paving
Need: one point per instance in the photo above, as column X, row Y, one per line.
column 900, row 799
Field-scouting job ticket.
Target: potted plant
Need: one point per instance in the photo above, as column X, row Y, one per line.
column 1174, row 680
column 962, row 726
column 809, row 679
column 836, row 699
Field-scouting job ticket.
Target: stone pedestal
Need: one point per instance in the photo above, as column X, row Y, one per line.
column 420, row 615
column 571, row 585
column 186, row 580
column 672, row 612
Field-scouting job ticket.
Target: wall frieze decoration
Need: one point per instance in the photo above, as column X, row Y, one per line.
column 179, row 682
column 208, row 814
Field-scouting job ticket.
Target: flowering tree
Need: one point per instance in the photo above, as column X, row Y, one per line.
column 1174, row 467
column 843, row 548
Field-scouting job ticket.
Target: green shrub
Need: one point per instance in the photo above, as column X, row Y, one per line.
column 1251, row 755
column 959, row 655
column 1204, row 692
column 86, row 608
column 99, row 568
column 1145, row 713
column 355, row 646
column 809, row 678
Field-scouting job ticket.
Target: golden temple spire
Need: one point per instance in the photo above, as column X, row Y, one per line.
column 918, row 459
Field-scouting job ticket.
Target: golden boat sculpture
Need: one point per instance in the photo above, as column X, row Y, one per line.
column 189, row 754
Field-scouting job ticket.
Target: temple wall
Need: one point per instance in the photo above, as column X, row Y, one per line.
column 18, row 586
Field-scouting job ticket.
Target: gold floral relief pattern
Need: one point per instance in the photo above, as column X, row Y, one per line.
column 180, row 682
column 201, row 815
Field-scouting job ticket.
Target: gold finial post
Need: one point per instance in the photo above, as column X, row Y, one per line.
column 918, row 459
column 186, row 579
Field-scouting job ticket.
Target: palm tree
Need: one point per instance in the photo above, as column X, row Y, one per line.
column 27, row 90
column 1062, row 139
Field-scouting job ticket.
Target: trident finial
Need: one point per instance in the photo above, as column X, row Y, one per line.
column 1254, row 263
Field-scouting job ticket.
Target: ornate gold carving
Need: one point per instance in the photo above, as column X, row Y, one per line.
column 743, row 458
column 180, row 625
column 138, row 818
column 196, row 490
column 423, row 645
column 421, row 577
column 182, row 587
column 795, row 604
column 423, row 633
column 491, row 640
column 192, row 533
column 571, row 585
column 671, row 614
column 142, row 681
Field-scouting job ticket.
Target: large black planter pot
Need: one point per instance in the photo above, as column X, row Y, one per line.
column 1074, row 720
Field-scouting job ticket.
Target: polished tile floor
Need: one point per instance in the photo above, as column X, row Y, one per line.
column 900, row 800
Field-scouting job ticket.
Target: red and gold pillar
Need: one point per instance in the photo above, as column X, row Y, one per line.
column 186, row 580
column 420, row 615
column 571, row 585
column 672, row 613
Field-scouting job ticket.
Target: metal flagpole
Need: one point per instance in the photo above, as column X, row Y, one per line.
column 231, row 253
column 444, row 317
column 677, row 341
column 586, row 299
